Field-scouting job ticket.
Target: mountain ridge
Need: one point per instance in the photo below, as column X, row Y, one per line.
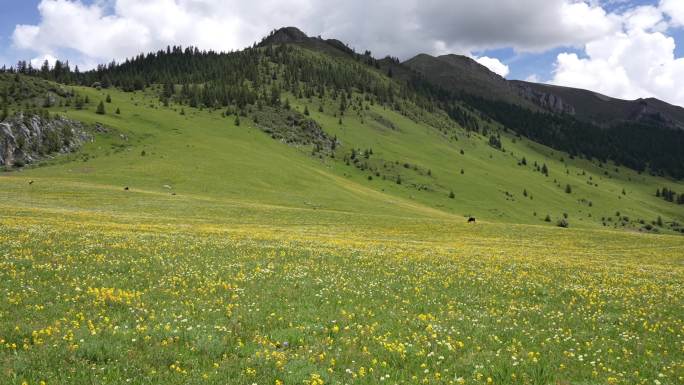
column 464, row 74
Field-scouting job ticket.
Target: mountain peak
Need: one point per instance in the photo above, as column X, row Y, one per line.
column 285, row 35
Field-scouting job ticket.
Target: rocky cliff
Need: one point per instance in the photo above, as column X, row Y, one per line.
column 25, row 139
column 545, row 100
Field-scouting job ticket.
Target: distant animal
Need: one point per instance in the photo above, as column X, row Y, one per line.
column 126, row 188
column 30, row 182
column 471, row 220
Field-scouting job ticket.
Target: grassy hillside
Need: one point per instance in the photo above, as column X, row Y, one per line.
column 204, row 154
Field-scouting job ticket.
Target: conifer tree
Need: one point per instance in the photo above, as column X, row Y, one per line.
column 100, row 109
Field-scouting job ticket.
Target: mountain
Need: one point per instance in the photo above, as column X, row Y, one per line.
column 293, row 35
column 464, row 75
column 642, row 134
column 305, row 122
column 604, row 110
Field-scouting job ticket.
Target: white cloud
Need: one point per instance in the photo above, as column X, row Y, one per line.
column 131, row 27
column 533, row 78
column 39, row 61
column 115, row 29
column 494, row 65
column 637, row 61
column 675, row 10
column 644, row 18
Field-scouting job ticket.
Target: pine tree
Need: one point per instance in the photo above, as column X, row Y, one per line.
column 545, row 170
column 237, row 120
column 452, row 195
column 306, row 110
column 109, row 99
column 659, row 222
column 343, row 103
column 100, row 109
column 118, row 111
column 568, row 189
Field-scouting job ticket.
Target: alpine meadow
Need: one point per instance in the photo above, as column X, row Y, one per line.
column 297, row 212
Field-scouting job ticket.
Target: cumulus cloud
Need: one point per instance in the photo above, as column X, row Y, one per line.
column 135, row 26
column 494, row 65
column 675, row 10
column 115, row 29
column 636, row 61
column 39, row 61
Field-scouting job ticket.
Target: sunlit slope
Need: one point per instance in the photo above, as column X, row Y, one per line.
column 216, row 168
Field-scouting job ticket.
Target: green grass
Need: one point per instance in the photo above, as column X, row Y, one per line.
column 204, row 155
column 271, row 266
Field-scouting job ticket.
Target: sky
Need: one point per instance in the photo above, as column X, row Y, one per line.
column 622, row 48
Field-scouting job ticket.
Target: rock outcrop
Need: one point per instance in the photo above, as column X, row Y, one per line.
column 547, row 101
column 25, row 139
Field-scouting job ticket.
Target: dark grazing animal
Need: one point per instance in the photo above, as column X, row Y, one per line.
column 126, row 188
column 30, row 182
column 471, row 220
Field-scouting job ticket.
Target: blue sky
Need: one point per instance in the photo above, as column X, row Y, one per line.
column 14, row 12
column 566, row 42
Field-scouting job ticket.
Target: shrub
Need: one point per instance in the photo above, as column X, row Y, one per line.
column 563, row 223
